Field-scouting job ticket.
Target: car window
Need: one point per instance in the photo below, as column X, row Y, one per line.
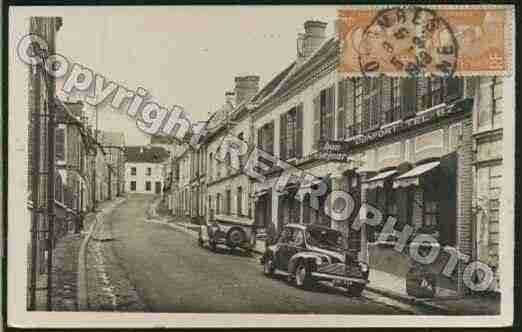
column 298, row 238
column 285, row 236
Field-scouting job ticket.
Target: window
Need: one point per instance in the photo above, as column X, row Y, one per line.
column 393, row 113
column 210, row 163
column 58, row 190
column 497, row 101
column 297, row 238
column 267, row 136
column 432, row 92
column 133, row 185
column 59, row 135
column 228, row 201
column 286, row 236
column 239, row 201
column 324, row 105
column 149, row 171
column 147, row 186
column 491, row 103
column 218, row 203
column 287, row 135
column 356, row 128
column 371, row 102
column 133, row 170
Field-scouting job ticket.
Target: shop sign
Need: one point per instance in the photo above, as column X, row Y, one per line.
column 339, row 150
column 334, row 151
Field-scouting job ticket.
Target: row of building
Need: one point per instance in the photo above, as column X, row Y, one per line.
column 69, row 173
column 427, row 151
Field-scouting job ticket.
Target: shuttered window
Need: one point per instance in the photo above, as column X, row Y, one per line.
column 291, row 133
column 283, row 132
column 317, row 120
column 299, row 131
column 454, row 89
column 341, row 108
column 324, row 108
column 408, row 97
column 370, row 103
column 265, row 137
column 391, row 100
column 59, row 144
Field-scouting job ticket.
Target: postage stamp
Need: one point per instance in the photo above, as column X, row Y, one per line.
column 173, row 175
column 432, row 40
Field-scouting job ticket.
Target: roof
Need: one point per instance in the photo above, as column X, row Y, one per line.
column 145, row 154
column 329, row 49
column 273, row 84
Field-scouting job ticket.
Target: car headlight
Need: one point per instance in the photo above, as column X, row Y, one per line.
column 364, row 267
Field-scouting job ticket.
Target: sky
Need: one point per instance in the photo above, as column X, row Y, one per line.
column 182, row 55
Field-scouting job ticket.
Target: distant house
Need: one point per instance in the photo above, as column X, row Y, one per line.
column 144, row 169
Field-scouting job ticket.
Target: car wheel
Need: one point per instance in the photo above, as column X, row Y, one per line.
column 303, row 276
column 354, row 289
column 268, row 266
column 236, row 237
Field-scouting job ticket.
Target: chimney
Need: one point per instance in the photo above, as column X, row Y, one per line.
column 246, row 88
column 315, row 34
column 230, row 97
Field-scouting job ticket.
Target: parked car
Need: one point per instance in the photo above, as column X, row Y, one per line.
column 307, row 254
column 232, row 233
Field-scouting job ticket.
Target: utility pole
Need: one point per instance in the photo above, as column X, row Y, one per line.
column 50, row 179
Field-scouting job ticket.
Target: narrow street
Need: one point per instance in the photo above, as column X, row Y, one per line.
column 173, row 274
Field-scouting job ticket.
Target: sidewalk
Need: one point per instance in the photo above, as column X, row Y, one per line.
column 447, row 301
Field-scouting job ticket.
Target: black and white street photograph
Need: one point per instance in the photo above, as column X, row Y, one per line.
column 272, row 164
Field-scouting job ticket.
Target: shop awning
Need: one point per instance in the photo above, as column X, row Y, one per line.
column 378, row 180
column 413, row 177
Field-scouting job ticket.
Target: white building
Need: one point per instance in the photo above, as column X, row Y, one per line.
column 144, row 169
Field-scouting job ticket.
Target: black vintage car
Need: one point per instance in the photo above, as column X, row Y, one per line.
column 307, row 254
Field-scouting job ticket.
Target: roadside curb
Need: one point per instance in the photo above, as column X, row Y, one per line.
column 409, row 299
column 82, row 289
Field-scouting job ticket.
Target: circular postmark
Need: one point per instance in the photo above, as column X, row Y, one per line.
column 412, row 40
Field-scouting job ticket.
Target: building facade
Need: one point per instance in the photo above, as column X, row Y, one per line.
column 144, row 169
column 409, row 144
column 229, row 194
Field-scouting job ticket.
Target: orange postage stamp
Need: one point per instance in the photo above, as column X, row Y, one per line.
column 421, row 41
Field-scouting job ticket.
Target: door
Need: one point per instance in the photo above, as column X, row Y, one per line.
column 281, row 261
column 295, row 245
column 158, row 187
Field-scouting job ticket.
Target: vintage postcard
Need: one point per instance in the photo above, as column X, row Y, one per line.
column 258, row 166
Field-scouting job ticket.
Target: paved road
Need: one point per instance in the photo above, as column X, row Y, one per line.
column 172, row 274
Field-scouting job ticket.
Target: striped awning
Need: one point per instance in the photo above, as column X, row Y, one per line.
column 378, row 180
column 413, row 177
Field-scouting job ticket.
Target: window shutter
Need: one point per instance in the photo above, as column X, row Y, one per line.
column 375, row 103
column 408, row 97
column 260, row 138
column 330, row 112
column 60, row 144
column 299, row 131
column 341, row 93
column 454, row 89
column 282, row 136
column 386, row 101
column 366, row 82
column 270, row 141
column 423, row 96
column 317, row 120
column 350, row 103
